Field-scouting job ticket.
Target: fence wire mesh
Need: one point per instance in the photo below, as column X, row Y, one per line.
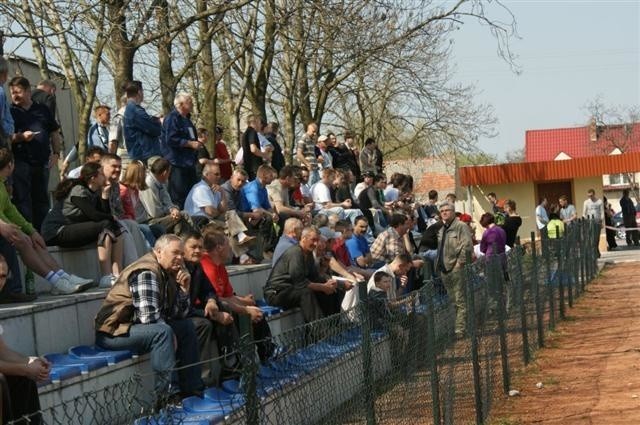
column 396, row 363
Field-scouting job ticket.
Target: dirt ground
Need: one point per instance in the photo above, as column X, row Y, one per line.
column 589, row 371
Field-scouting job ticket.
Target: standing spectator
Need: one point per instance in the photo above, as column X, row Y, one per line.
column 369, row 157
column 252, row 156
column 146, row 311
column 379, row 160
column 322, row 153
column 512, row 222
column 594, row 208
column 608, row 221
column 354, row 157
column 157, row 201
column 81, row 215
column 180, row 144
column 45, row 94
column 493, row 202
column 542, row 217
column 36, row 145
column 629, row 219
column 567, row 210
column 99, row 131
column 277, row 157
column 116, row 131
column 6, row 120
column 454, row 247
column 494, row 238
column 141, row 131
column 18, row 377
column 221, row 154
column 305, row 152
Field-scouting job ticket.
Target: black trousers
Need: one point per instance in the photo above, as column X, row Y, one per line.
column 304, row 298
column 19, row 398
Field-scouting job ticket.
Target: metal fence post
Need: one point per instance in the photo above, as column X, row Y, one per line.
column 570, row 249
column 560, row 272
column 536, row 290
column 469, row 294
column 518, row 280
column 249, row 372
column 546, row 254
column 432, row 361
column 583, row 249
column 367, row 372
column 496, row 278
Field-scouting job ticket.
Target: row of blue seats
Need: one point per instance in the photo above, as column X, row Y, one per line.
column 81, row 360
column 285, row 369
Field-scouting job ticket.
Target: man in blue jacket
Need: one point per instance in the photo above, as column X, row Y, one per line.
column 180, row 147
column 141, row 131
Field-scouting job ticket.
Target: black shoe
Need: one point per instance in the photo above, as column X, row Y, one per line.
column 16, row 297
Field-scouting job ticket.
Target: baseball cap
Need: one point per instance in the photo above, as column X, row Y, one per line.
column 466, row 218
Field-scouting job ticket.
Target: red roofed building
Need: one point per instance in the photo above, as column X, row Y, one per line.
column 587, row 141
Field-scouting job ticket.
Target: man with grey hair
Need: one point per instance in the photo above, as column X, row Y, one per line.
column 146, row 310
column 291, row 233
column 180, row 146
column 6, row 120
column 454, row 247
column 295, row 282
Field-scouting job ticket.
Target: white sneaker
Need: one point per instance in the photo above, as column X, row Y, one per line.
column 85, row 283
column 106, row 281
column 64, row 287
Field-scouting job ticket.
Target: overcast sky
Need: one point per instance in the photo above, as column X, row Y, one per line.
column 569, row 51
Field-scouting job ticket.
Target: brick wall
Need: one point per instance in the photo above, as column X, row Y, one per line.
column 428, row 173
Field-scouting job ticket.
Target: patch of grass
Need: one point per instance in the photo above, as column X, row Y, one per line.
column 550, row 380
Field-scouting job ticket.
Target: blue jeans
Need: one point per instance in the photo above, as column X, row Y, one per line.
column 157, row 339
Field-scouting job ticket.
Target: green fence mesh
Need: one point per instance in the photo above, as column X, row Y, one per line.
column 396, row 364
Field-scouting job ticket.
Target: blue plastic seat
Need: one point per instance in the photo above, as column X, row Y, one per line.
column 85, row 364
column 205, row 405
column 92, row 351
column 223, row 397
column 62, row 372
column 182, row 417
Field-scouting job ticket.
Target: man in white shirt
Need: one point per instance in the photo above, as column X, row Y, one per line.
column 593, row 208
column 205, row 202
column 321, row 195
column 542, row 217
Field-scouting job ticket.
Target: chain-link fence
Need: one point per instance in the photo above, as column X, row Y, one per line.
column 394, row 362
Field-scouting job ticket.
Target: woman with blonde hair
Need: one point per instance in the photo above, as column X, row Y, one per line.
column 130, row 186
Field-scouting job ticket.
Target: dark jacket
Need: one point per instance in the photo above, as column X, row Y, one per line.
column 141, row 132
column 177, row 131
column 293, row 268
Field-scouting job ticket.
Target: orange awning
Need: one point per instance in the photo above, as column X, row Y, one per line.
column 523, row 172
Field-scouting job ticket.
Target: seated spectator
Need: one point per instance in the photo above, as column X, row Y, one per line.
column 81, row 215
column 392, row 190
column 379, row 300
column 12, row 291
column 93, row 154
column 344, row 231
column 205, row 202
column 372, row 206
column 367, row 180
column 294, row 280
column 157, row 201
column 28, row 241
column 134, row 244
column 213, row 324
column 19, row 375
column 146, row 311
column 358, row 247
column 133, row 182
column 233, row 191
column 321, row 194
column 217, row 251
column 278, row 192
column 292, row 230
column 400, row 268
column 301, row 195
column 259, row 215
column 341, row 190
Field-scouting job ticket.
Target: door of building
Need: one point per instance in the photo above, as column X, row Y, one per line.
column 553, row 190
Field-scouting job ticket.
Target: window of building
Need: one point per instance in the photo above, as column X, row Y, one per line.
column 615, row 179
